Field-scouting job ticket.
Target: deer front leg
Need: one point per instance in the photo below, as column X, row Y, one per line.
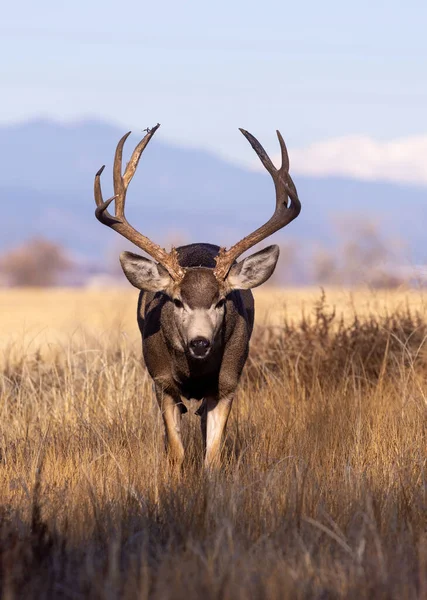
column 214, row 417
column 171, row 408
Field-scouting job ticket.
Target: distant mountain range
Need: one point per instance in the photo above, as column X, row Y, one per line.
column 46, row 181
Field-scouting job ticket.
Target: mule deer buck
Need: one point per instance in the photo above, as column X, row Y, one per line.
column 195, row 308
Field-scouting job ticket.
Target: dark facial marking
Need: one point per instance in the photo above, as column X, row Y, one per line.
column 199, row 288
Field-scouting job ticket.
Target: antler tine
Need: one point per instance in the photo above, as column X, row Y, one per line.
column 284, row 173
column 119, row 222
column 136, row 155
column 121, row 182
column 101, row 212
column 283, row 214
column 263, row 156
column 119, row 185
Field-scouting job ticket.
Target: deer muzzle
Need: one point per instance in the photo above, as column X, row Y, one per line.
column 199, row 347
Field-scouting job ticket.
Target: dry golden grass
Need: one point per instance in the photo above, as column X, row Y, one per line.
column 323, row 490
column 38, row 318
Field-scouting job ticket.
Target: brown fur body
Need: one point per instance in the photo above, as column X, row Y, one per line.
column 172, row 368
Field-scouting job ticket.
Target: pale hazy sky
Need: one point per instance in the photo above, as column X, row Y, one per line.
column 315, row 70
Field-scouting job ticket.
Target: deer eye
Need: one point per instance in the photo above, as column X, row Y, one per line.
column 178, row 303
column 220, row 304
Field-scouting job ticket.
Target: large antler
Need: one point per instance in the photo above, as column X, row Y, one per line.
column 283, row 213
column 119, row 222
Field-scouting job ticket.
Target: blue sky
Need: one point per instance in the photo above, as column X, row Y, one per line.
column 315, row 70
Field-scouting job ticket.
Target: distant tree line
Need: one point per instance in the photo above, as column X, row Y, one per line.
column 361, row 255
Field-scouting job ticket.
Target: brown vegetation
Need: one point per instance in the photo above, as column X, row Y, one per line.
column 362, row 256
column 322, row 493
column 38, row 263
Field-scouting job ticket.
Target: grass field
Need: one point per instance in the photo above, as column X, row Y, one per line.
column 38, row 317
column 323, row 489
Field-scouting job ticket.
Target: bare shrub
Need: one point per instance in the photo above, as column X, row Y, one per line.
column 362, row 256
column 38, row 263
column 325, row 269
column 324, row 348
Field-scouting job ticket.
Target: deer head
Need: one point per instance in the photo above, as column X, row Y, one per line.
column 197, row 295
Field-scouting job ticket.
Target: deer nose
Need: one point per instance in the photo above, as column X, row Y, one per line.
column 199, row 346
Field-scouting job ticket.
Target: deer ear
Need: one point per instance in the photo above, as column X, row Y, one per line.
column 253, row 270
column 143, row 273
